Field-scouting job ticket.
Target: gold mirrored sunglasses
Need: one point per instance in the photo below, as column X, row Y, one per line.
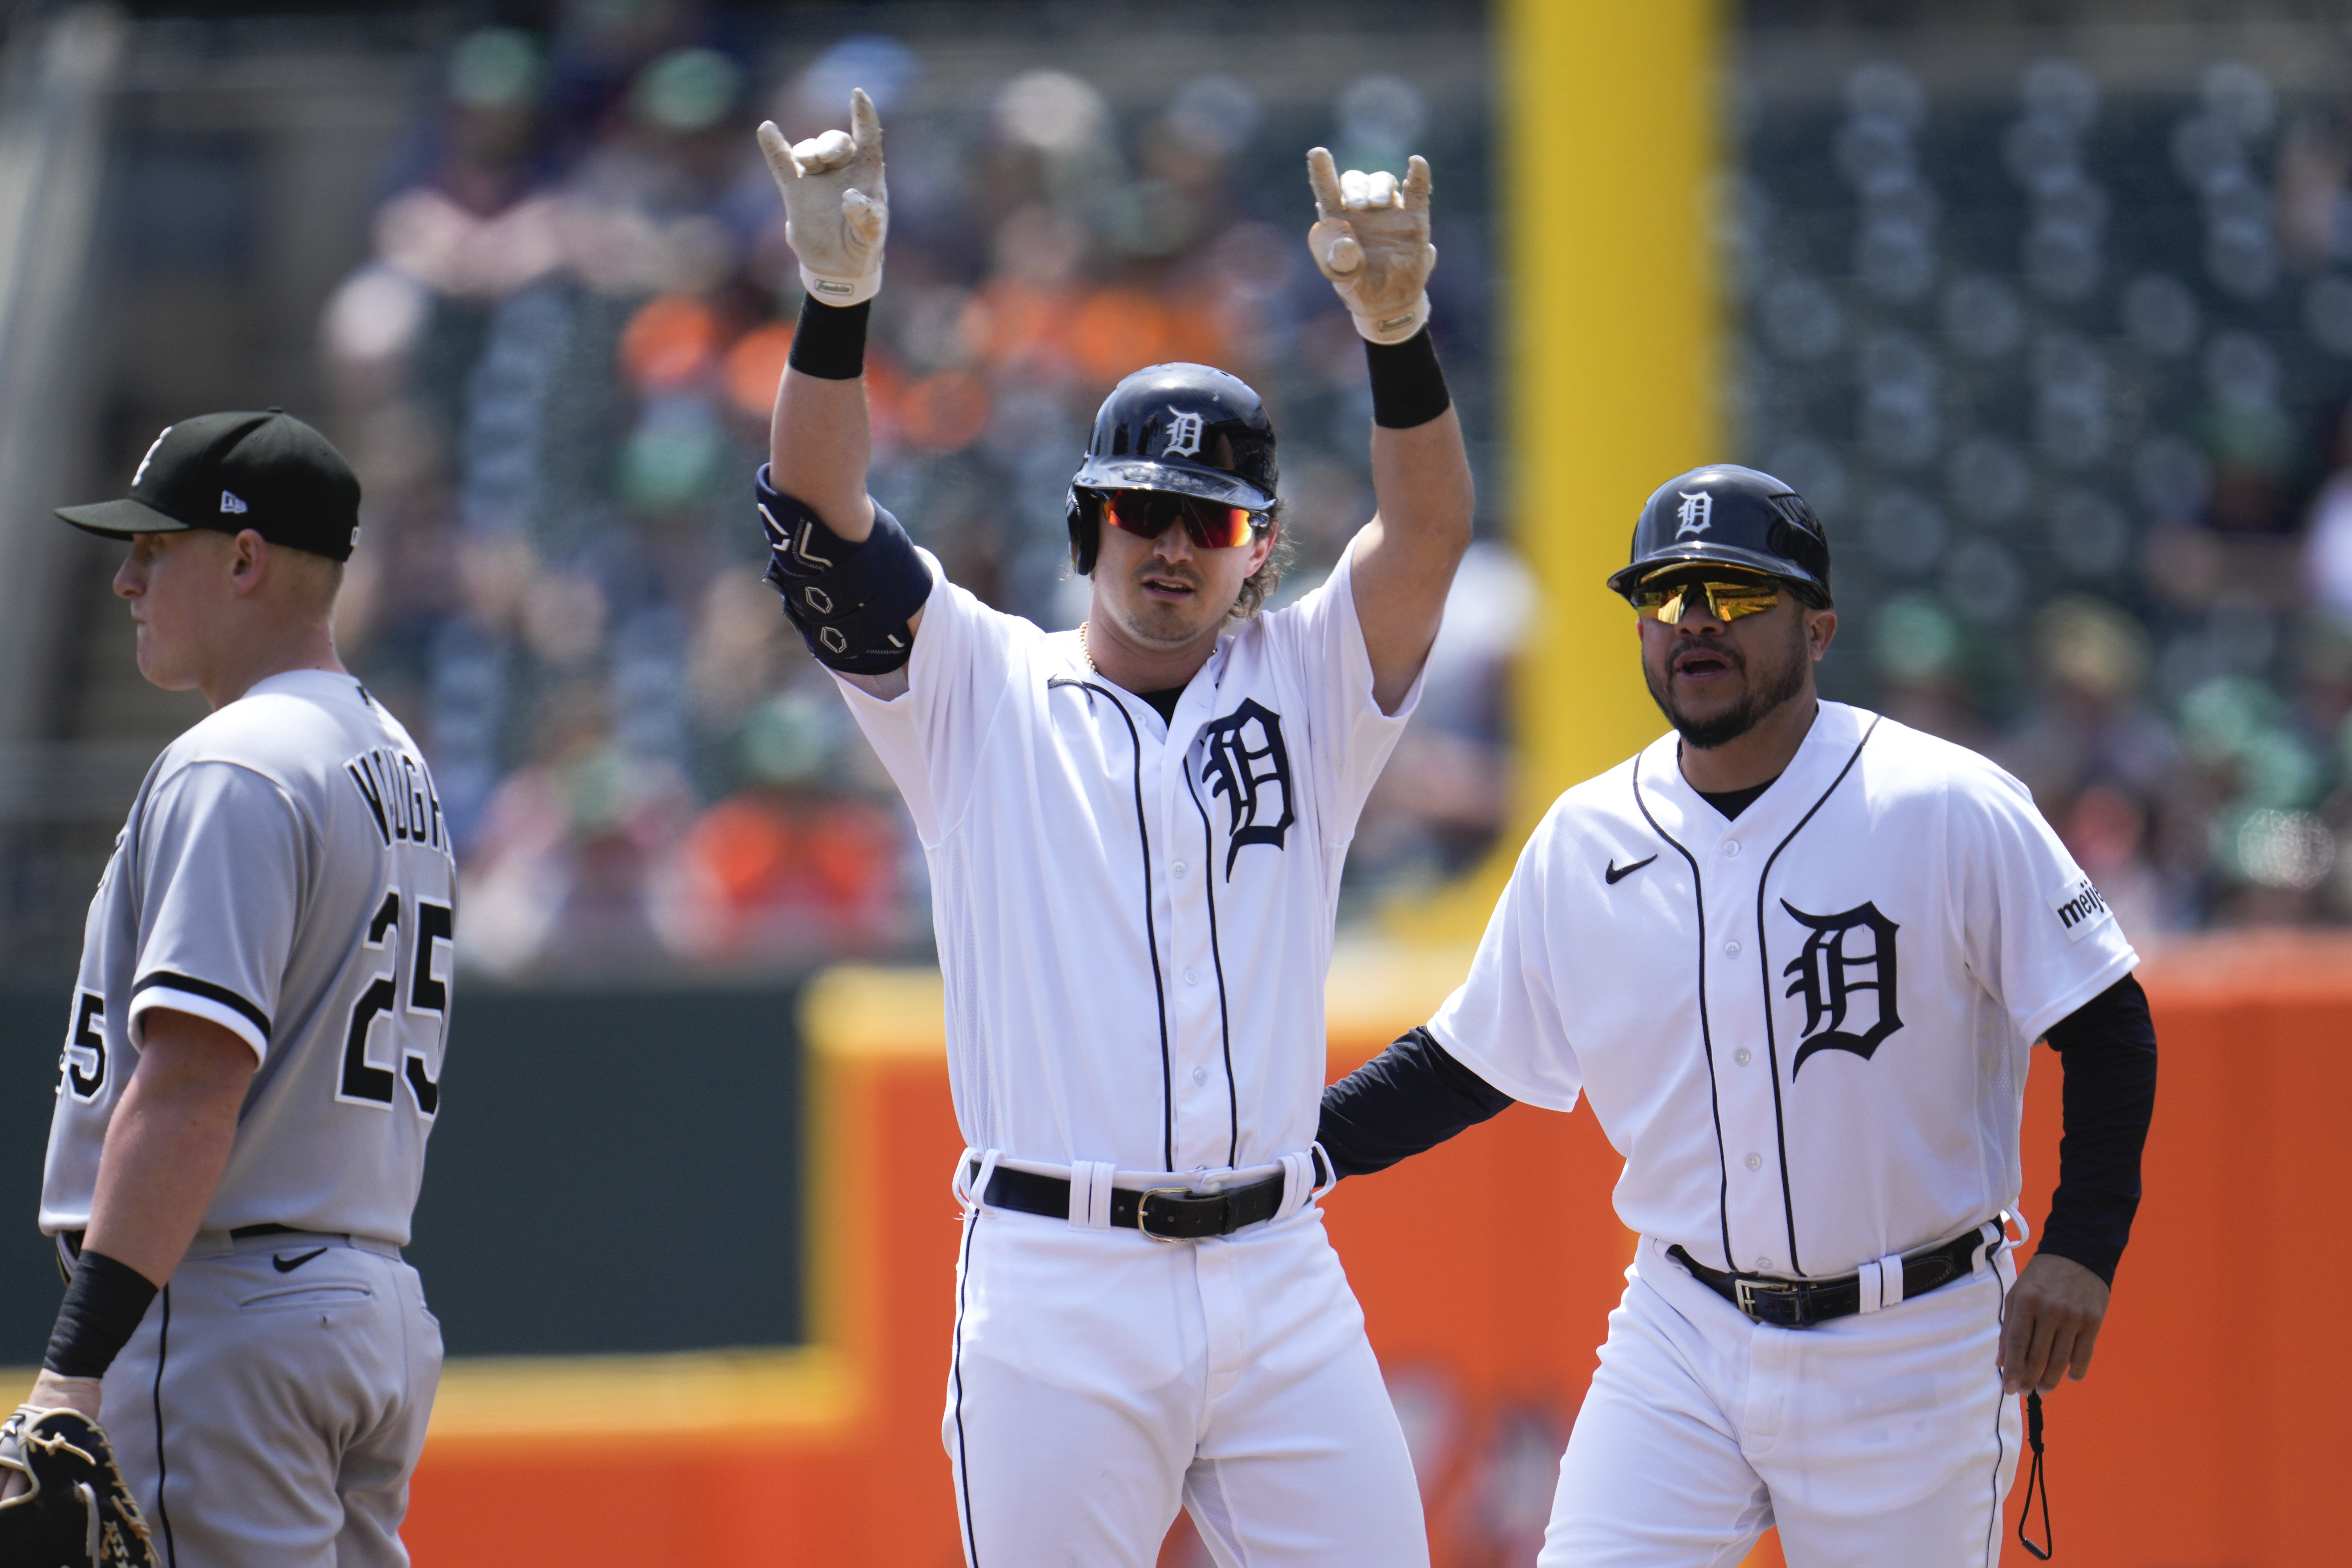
column 1726, row 597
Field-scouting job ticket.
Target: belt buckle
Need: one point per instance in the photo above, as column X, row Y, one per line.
column 1143, row 1210
column 1746, row 1293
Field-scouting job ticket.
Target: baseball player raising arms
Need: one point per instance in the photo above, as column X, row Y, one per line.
column 253, row 1057
column 1795, row 954
column 1135, row 833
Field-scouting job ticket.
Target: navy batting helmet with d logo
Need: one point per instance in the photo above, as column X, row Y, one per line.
column 1186, row 428
column 1730, row 516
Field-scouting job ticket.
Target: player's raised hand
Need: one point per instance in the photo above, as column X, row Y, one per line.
column 1372, row 240
column 836, row 209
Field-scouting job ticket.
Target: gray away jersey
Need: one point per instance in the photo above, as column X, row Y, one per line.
column 286, row 873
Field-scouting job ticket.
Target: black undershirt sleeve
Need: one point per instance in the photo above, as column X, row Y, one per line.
column 2107, row 1047
column 1413, row 1096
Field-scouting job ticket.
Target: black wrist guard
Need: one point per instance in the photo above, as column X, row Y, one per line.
column 101, row 1313
column 850, row 602
column 830, row 341
column 1408, row 385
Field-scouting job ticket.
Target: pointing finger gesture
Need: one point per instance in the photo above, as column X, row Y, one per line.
column 836, row 207
column 1370, row 238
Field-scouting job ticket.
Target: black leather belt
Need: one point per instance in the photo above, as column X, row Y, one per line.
column 1801, row 1303
column 1164, row 1213
column 72, row 1239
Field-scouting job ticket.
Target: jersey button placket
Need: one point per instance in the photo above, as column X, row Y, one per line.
column 1203, row 1118
column 1736, row 1007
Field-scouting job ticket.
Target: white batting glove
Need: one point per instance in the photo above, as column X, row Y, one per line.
column 1372, row 240
column 836, row 209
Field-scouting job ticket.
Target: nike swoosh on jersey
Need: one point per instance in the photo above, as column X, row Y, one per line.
column 287, row 1265
column 1616, row 873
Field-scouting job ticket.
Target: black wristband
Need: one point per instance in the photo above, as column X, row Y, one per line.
column 1408, row 386
column 830, row 341
column 101, row 1313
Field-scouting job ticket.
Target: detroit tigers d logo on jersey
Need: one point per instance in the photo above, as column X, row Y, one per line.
column 1249, row 764
column 1841, row 987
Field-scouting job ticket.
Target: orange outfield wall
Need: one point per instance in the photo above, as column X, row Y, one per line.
column 2207, row 1434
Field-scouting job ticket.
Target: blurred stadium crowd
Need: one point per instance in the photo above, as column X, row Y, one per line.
column 2058, row 340
column 554, row 373
column 2066, row 367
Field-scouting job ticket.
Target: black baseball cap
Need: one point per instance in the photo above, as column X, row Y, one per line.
column 267, row 471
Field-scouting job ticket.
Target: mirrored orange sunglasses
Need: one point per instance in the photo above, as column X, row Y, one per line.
column 1148, row 514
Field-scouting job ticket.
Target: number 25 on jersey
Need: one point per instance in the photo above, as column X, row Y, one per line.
column 83, row 1067
column 411, row 1028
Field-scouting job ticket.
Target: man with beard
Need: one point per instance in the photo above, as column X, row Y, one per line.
column 1796, row 955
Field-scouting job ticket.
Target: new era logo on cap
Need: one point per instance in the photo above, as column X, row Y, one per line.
column 266, row 471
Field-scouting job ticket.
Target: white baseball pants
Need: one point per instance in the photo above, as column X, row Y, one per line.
column 1870, row 1440
column 1100, row 1380
column 292, row 1403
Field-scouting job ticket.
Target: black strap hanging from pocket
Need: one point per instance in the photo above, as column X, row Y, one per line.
column 2034, row 1481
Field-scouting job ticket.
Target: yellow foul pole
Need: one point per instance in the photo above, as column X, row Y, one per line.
column 1609, row 135
column 1612, row 312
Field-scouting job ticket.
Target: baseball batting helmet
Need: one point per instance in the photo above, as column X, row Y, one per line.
column 1730, row 516
column 1181, row 427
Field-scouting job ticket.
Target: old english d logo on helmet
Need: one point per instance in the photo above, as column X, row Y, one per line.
column 1726, row 515
column 1188, row 428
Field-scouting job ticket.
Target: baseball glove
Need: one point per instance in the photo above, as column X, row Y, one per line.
column 77, row 1513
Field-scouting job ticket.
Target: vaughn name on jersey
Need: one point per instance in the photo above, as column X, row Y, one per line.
column 286, row 874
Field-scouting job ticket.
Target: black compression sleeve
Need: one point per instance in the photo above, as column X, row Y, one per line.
column 1408, row 383
column 830, row 341
column 2108, row 1049
column 102, row 1311
column 1412, row 1097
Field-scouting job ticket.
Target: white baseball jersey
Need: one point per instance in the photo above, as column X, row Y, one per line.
column 1135, row 917
column 1806, row 1030
column 286, row 873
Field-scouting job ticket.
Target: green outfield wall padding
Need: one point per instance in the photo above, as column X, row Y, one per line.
column 612, row 1171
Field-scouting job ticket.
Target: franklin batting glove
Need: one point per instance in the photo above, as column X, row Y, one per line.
column 1370, row 238
column 836, row 209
